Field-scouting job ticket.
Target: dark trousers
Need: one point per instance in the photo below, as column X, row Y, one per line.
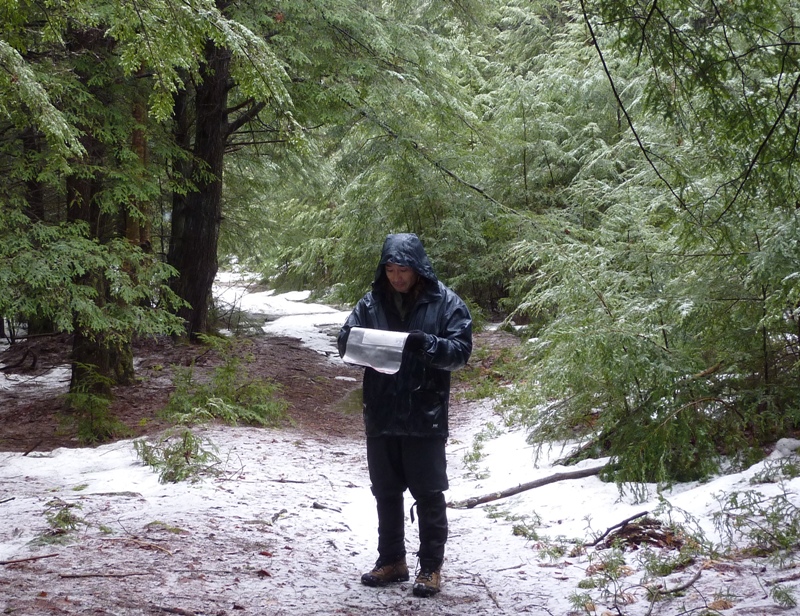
column 397, row 463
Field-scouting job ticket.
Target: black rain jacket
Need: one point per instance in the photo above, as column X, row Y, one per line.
column 415, row 400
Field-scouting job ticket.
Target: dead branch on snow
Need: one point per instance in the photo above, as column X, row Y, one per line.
column 579, row 474
column 24, row 560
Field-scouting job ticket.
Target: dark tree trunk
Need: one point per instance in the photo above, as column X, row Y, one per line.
column 196, row 217
column 182, row 170
column 137, row 219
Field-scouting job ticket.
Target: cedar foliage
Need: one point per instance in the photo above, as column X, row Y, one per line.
column 675, row 336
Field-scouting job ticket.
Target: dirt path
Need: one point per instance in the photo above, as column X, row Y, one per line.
column 288, row 525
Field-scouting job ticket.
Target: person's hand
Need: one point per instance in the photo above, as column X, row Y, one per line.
column 416, row 341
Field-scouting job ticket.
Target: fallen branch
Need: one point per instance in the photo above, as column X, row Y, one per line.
column 177, row 610
column 619, row 525
column 658, row 592
column 39, row 442
column 24, row 560
column 781, row 580
column 146, row 545
column 7, row 500
column 317, row 505
column 579, row 474
column 72, row 576
column 519, row 566
column 492, row 596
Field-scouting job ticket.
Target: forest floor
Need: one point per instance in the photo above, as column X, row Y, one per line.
column 273, row 555
column 288, row 524
column 34, row 418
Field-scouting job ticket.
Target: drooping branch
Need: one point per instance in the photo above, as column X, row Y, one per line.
column 757, row 156
column 417, row 147
column 628, row 118
column 24, row 560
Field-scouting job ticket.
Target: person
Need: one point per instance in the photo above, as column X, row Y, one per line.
column 406, row 413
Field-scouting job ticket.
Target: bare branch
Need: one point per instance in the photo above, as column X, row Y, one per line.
column 537, row 483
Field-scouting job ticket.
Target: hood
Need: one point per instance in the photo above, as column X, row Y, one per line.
column 404, row 249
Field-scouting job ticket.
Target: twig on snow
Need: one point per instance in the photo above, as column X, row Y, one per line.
column 685, row 585
column 70, row 576
column 177, row 610
column 489, row 592
column 39, row 442
column 317, row 505
column 142, row 544
column 659, row 592
column 24, row 560
column 781, row 580
column 278, row 514
column 619, row 525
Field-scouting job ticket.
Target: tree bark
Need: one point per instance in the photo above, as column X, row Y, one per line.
column 196, row 218
column 138, row 216
column 35, row 210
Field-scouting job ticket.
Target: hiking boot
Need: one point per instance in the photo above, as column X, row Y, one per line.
column 386, row 571
column 427, row 582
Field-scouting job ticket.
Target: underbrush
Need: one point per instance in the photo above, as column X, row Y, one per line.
column 90, row 414
column 230, row 395
column 659, row 557
column 493, row 368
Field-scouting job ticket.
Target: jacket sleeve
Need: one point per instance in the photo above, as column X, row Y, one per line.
column 451, row 349
column 357, row 318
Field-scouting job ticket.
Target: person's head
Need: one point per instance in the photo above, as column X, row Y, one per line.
column 404, row 266
column 401, row 277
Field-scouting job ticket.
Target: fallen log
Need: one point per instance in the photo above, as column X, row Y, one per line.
column 537, row 483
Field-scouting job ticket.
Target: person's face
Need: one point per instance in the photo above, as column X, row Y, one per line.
column 401, row 278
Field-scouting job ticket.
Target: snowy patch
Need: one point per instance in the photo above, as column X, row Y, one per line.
column 54, row 379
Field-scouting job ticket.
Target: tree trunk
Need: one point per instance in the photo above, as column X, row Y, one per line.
column 138, row 217
column 196, row 218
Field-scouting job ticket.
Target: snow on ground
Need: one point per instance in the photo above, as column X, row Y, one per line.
column 55, row 379
column 290, row 525
column 284, row 314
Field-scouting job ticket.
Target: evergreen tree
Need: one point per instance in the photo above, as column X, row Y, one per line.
column 674, row 340
column 78, row 184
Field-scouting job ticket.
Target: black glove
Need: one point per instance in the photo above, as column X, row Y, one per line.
column 416, row 341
